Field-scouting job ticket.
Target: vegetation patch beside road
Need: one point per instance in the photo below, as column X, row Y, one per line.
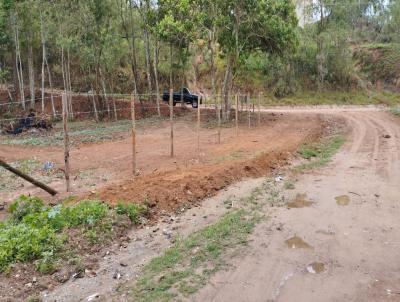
column 395, row 111
column 335, row 98
column 319, row 154
column 188, row 265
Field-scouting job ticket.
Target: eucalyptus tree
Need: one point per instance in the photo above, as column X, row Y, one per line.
column 178, row 21
column 249, row 25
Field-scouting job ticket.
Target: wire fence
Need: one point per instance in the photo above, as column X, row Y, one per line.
column 210, row 114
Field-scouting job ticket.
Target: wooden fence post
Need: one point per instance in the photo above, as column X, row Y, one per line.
column 248, row 109
column 237, row 115
column 218, row 108
column 171, row 119
column 259, row 109
column 133, row 117
column 66, row 139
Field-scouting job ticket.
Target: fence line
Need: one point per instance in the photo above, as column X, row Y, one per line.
column 214, row 104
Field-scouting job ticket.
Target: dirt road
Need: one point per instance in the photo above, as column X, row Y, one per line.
column 345, row 245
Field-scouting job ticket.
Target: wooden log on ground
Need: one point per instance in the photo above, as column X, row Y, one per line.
column 28, row 178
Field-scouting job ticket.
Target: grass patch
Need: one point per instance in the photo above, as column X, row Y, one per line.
column 289, row 185
column 79, row 131
column 311, row 98
column 38, row 232
column 188, row 265
column 319, row 154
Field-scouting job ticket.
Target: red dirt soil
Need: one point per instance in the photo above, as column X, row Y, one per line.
column 169, row 183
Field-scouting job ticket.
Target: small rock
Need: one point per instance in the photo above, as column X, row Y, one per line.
column 117, row 275
column 34, row 280
column 124, row 264
column 28, row 284
column 2, row 206
column 62, row 277
column 93, row 297
column 90, row 273
column 156, row 230
column 79, row 274
column 387, row 136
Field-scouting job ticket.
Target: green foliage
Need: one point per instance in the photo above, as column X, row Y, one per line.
column 186, row 266
column 35, row 231
column 319, row 154
column 21, row 243
column 380, row 61
column 395, row 111
column 24, row 206
column 132, row 210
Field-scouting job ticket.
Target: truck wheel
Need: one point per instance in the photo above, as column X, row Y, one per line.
column 195, row 104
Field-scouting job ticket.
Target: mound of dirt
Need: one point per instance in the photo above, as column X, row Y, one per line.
column 176, row 189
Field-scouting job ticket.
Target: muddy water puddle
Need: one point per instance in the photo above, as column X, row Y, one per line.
column 342, row 200
column 297, row 243
column 300, row 202
column 316, row 268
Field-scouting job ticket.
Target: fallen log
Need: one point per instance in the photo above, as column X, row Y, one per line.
column 28, row 178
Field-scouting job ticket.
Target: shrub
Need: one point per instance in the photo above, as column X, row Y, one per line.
column 25, row 205
column 21, row 242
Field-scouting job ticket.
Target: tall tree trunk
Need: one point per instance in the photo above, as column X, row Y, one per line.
column 148, row 60
column 69, row 85
column 43, row 57
column 103, row 84
column 31, row 70
column 211, row 45
column 156, row 76
column 170, row 66
column 113, row 99
column 226, row 87
column 130, row 37
column 18, row 62
column 53, row 108
column 96, row 114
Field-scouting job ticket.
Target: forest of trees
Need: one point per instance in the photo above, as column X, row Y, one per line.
column 217, row 47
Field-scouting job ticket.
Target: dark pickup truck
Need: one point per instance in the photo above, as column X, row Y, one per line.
column 184, row 94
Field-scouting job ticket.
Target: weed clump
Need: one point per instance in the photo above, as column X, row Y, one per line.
column 132, row 210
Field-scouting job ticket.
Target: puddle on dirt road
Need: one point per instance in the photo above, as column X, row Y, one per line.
column 316, row 268
column 297, row 243
column 342, row 200
column 300, row 202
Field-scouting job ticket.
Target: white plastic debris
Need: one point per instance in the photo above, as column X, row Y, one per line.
column 92, row 297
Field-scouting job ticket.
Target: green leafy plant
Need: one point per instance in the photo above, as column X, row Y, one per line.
column 132, row 210
column 36, row 231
